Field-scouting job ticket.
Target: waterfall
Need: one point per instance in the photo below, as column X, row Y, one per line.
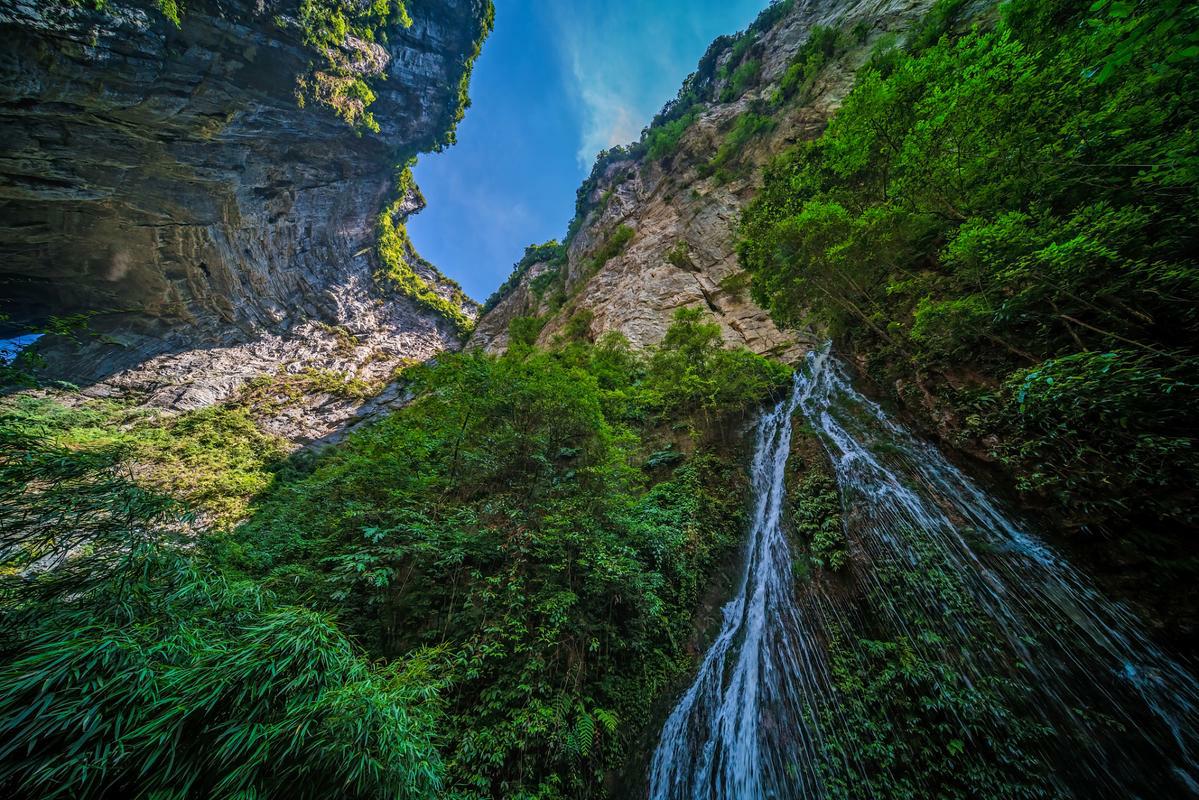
column 728, row 736
column 941, row 571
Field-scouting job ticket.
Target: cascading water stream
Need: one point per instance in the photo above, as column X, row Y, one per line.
column 728, row 735
column 1111, row 714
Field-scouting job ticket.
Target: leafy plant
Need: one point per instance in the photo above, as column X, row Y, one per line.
column 662, row 141
column 1006, row 213
column 504, row 515
column 745, row 127
column 740, row 79
column 130, row 667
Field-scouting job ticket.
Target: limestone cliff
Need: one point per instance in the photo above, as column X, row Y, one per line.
column 165, row 181
column 683, row 207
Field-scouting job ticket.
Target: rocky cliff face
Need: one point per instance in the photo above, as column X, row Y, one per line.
column 166, row 182
column 683, row 211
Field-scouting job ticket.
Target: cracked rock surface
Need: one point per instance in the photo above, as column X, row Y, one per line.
column 166, row 182
column 683, row 252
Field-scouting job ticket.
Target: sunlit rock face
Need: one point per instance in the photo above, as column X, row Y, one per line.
column 684, row 217
column 167, row 180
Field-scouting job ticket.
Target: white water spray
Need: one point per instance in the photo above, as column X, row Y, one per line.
column 1124, row 716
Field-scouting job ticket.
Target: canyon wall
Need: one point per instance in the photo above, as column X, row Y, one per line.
column 683, row 211
column 167, row 183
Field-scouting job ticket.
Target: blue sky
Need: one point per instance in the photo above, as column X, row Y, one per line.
column 557, row 81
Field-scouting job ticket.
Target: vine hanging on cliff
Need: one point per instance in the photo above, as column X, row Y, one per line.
column 395, row 253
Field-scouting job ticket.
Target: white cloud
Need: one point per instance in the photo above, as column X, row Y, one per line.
column 625, row 60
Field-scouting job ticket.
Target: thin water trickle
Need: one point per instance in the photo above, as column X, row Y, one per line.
column 757, row 723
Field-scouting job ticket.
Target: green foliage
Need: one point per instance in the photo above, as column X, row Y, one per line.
column 1171, row 21
column 816, row 511
column 584, row 203
column 578, row 327
column 20, row 371
column 269, row 394
column 613, row 246
column 539, row 285
column 985, row 211
column 171, row 9
column 679, row 255
column 333, row 80
column 486, row 24
column 745, row 127
column 131, row 669
column 519, row 544
column 1096, row 429
column 742, row 44
column 936, row 23
column 692, row 370
column 823, row 44
column 395, row 253
column 75, row 510
column 503, row 517
column 662, row 141
column 214, row 458
column 523, row 331
column 740, row 79
column 221, row 696
column 904, row 713
column 771, row 15
column 550, row 252
column 736, row 284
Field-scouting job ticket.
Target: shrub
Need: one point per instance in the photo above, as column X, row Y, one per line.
column 662, row 141
column 745, row 127
column 740, row 80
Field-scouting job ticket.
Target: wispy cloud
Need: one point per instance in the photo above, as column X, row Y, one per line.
column 493, row 213
column 611, row 119
column 625, row 62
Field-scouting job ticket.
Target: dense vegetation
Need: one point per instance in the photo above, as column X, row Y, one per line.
column 490, row 592
column 910, row 710
column 1003, row 223
column 482, row 595
column 132, row 668
column 215, row 459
